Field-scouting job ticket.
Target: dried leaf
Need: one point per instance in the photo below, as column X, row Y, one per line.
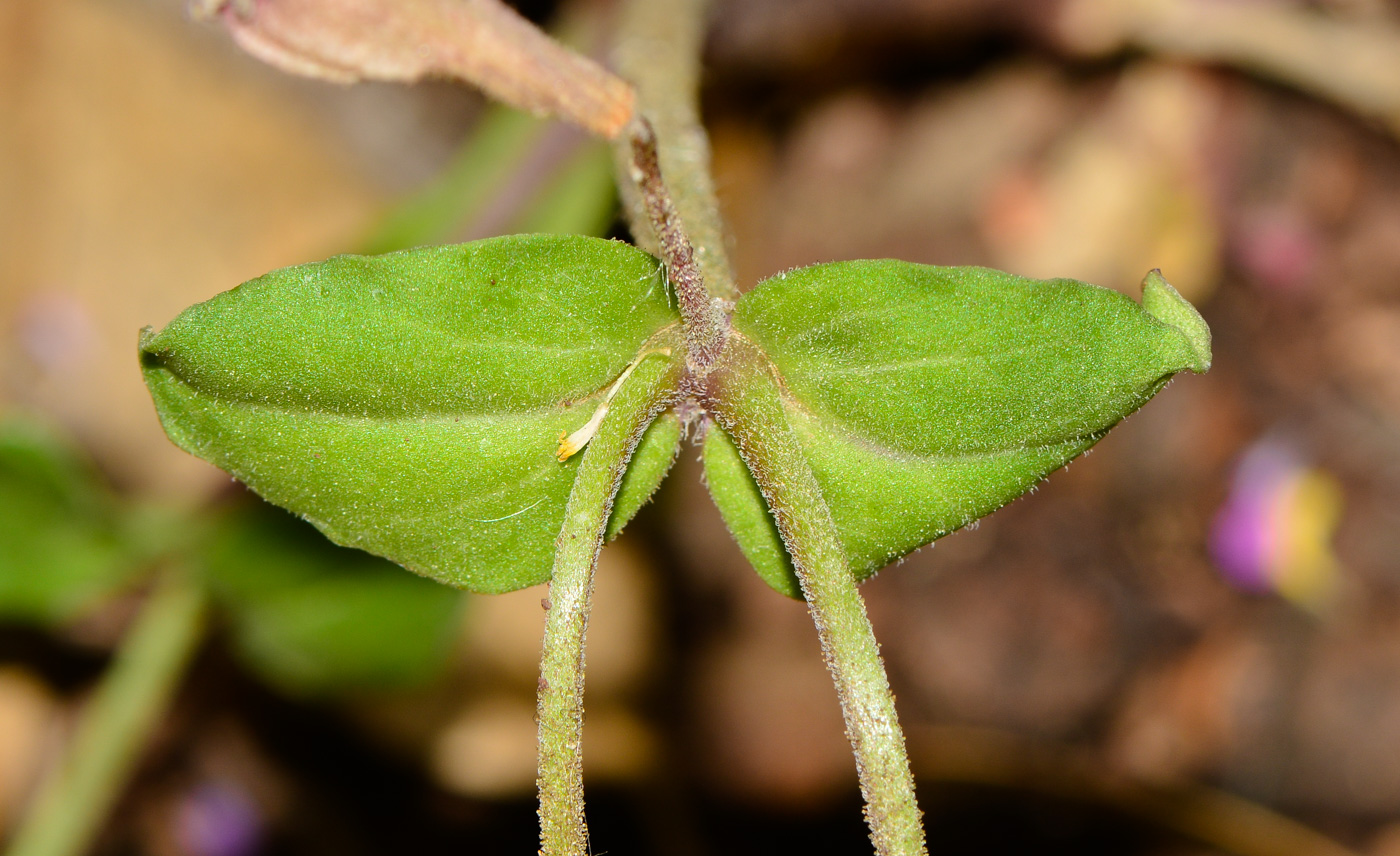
column 482, row 42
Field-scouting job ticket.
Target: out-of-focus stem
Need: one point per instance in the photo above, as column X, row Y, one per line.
column 580, row 199
column 502, row 138
column 127, row 705
column 475, row 190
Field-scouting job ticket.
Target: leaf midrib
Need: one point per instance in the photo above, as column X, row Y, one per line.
column 439, row 417
column 426, row 416
column 841, row 428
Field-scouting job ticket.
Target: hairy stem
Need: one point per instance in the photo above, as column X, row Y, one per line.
column 747, row 403
column 563, row 830
column 705, row 323
column 115, row 726
column 658, row 49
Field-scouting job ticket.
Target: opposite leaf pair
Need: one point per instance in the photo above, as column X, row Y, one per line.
column 411, row 404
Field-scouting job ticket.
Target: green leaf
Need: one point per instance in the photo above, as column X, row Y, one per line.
column 655, row 453
column 311, row 617
column 1162, row 302
column 745, row 512
column 63, row 545
column 411, row 404
column 927, row 397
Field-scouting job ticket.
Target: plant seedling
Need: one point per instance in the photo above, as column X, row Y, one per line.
column 488, row 414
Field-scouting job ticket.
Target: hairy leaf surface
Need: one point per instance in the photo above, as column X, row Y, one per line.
column 411, row 404
column 926, row 397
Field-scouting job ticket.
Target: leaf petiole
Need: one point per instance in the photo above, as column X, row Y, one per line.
column 747, row 404
column 563, row 831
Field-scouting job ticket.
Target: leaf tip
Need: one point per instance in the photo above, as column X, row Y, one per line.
column 147, row 350
column 1164, row 303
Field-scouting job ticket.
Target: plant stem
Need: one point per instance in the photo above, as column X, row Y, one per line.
column 500, row 141
column 746, row 400
column 128, row 703
column 705, row 323
column 659, row 46
column 660, row 50
column 580, row 198
column 563, row 830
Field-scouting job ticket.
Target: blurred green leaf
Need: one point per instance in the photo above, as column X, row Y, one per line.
column 311, row 617
column 63, row 545
column 926, row 397
column 411, row 404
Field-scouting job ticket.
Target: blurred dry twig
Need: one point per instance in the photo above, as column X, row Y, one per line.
column 1354, row 63
column 482, row 42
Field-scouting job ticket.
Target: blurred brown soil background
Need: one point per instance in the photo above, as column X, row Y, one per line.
column 145, row 165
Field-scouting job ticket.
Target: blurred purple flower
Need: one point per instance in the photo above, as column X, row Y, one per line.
column 1242, row 536
column 1274, row 532
column 219, row 819
column 1278, row 249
